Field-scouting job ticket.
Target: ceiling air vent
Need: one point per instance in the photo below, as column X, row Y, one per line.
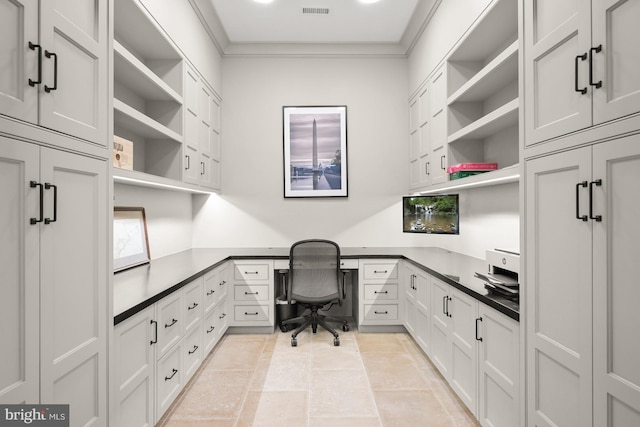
column 315, row 11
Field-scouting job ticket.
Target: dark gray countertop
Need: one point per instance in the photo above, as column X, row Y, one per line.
column 139, row 287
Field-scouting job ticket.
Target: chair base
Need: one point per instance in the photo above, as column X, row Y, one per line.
column 314, row 319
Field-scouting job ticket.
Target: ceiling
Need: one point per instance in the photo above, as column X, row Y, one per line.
column 307, row 22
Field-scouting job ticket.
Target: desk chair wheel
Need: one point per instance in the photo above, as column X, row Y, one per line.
column 294, row 342
column 345, row 327
column 336, row 341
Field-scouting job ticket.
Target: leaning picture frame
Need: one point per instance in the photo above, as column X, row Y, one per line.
column 315, row 151
column 130, row 240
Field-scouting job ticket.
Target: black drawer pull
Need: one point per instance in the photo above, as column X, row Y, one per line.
column 222, row 316
column 210, row 292
column 192, row 307
column 578, row 216
column 195, row 348
column 173, row 374
column 582, row 91
column 173, row 322
column 597, row 183
column 250, row 272
column 380, row 271
column 380, row 292
column 479, row 338
column 250, row 314
column 155, row 340
column 593, row 50
column 381, row 312
column 33, row 46
column 34, row 184
column 48, row 186
column 224, row 282
column 210, row 329
column 55, row 71
column 251, row 293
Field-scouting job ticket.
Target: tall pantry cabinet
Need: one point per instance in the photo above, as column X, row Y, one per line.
column 581, row 154
column 54, row 234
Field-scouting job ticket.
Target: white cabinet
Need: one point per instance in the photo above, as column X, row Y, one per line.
column 54, row 62
column 55, row 289
column 253, row 293
column 580, row 64
column 428, row 132
column 498, row 339
column 135, row 369
column 202, row 132
column 379, row 302
column 418, row 305
column 453, row 343
column 580, row 311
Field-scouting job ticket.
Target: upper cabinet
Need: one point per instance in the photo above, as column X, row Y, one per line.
column 163, row 106
column 581, row 65
column 54, row 62
column 473, row 106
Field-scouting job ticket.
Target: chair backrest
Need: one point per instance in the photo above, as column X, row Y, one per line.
column 314, row 271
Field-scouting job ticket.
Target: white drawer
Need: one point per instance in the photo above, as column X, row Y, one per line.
column 169, row 380
column 251, row 293
column 251, row 313
column 192, row 353
column 250, row 272
column 192, row 304
column 387, row 291
column 381, row 271
column 169, row 322
column 381, row 311
column 349, row 264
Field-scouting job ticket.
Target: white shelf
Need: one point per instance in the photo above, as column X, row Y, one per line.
column 505, row 175
column 141, row 124
column 490, row 79
column 138, row 78
column 141, row 179
column 497, row 120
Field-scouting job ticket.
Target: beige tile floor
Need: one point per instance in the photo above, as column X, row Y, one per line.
column 369, row 380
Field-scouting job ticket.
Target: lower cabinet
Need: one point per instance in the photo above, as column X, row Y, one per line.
column 159, row 349
column 475, row 347
column 378, row 287
column 253, row 293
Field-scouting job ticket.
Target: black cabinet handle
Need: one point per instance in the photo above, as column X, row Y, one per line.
column 444, row 301
column 379, row 271
column 33, row 46
column 55, row 71
column 155, row 340
column 426, row 168
column 192, row 307
column 202, row 169
column 380, row 292
column 597, row 183
column 48, row 186
column 250, row 272
column 224, row 282
column 250, row 314
column 188, row 162
column 211, row 329
column 195, row 348
column 251, row 293
column 578, row 216
column 442, row 163
column 34, row 184
column 222, row 316
column 593, row 50
column 173, row 322
column 478, row 338
column 381, row 312
column 448, row 298
column 210, row 292
column 174, row 371
column 584, row 58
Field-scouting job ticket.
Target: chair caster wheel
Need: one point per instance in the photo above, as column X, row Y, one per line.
column 294, row 342
column 345, row 327
column 336, row 342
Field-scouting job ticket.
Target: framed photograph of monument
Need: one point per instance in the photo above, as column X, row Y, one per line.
column 315, row 151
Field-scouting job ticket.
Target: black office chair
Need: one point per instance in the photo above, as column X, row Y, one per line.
column 315, row 280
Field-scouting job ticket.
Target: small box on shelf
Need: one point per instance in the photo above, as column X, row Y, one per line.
column 122, row 153
column 463, row 170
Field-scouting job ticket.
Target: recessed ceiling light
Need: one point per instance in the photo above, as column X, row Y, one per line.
column 263, row 1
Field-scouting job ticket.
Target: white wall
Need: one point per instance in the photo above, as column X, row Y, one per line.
column 168, row 213
column 252, row 212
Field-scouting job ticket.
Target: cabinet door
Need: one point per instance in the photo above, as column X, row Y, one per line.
column 410, row 295
column 20, row 272
column 498, row 368
column 556, row 32
column 422, row 284
column 440, row 336
column 558, row 290
column 617, row 64
column 616, row 293
column 18, row 62
column 77, row 75
column 464, row 360
column 134, row 366
column 438, row 99
column 74, row 291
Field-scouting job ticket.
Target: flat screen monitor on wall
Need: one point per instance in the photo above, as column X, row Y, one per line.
column 432, row 214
